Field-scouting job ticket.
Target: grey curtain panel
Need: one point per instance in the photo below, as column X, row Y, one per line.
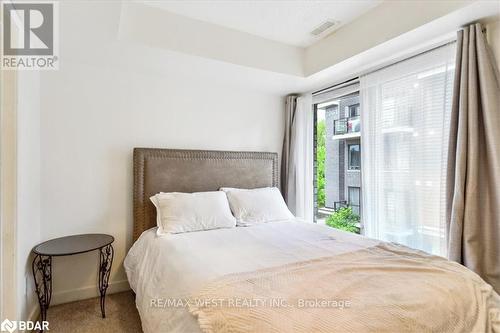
column 473, row 185
column 290, row 109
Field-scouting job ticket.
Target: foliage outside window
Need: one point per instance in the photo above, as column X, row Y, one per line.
column 320, row 160
column 344, row 219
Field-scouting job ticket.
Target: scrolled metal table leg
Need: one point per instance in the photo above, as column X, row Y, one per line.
column 105, row 261
column 42, row 274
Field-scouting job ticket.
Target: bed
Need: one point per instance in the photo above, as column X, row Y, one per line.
column 284, row 276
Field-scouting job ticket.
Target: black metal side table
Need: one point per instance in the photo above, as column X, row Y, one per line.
column 66, row 246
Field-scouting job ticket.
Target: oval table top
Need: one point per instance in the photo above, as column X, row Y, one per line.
column 74, row 244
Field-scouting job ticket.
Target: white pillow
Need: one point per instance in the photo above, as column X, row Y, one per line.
column 257, row 205
column 183, row 212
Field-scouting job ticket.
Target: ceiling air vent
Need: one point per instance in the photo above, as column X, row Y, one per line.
column 324, row 28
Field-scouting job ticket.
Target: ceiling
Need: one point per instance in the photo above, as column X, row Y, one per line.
column 288, row 22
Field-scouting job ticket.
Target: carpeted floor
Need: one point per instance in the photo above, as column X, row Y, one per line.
column 85, row 316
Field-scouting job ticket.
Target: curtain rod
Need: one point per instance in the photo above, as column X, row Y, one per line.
column 411, row 57
column 335, row 86
column 354, row 79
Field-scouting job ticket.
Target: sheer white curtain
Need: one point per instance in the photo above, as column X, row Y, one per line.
column 300, row 177
column 405, row 127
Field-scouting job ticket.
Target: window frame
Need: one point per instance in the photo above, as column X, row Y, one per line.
column 357, row 110
column 349, row 167
column 349, row 198
column 350, row 87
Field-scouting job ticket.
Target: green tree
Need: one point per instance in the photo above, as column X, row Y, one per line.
column 320, row 159
column 344, row 219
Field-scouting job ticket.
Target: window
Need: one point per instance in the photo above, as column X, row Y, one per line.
column 354, row 199
column 337, row 151
column 354, row 160
column 353, row 110
column 348, row 120
column 406, row 114
column 404, row 133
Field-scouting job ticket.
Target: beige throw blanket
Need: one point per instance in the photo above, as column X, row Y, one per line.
column 386, row 288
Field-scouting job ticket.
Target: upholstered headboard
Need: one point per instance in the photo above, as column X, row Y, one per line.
column 173, row 170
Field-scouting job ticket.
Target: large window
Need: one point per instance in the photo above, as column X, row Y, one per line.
column 406, row 109
column 394, row 129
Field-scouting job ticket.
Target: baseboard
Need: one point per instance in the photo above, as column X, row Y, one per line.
column 67, row 296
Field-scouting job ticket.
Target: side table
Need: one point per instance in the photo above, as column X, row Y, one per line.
column 67, row 246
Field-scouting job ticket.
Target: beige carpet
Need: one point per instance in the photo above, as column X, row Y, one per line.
column 85, row 316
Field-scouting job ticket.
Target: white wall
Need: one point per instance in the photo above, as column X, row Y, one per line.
column 160, row 28
column 28, row 186
column 109, row 97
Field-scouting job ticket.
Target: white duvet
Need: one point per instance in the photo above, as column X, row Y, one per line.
column 162, row 270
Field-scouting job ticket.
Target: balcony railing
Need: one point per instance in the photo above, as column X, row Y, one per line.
column 346, row 125
column 339, row 204
column 344, row 204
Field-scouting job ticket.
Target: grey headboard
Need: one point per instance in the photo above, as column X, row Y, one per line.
column 173, row 170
